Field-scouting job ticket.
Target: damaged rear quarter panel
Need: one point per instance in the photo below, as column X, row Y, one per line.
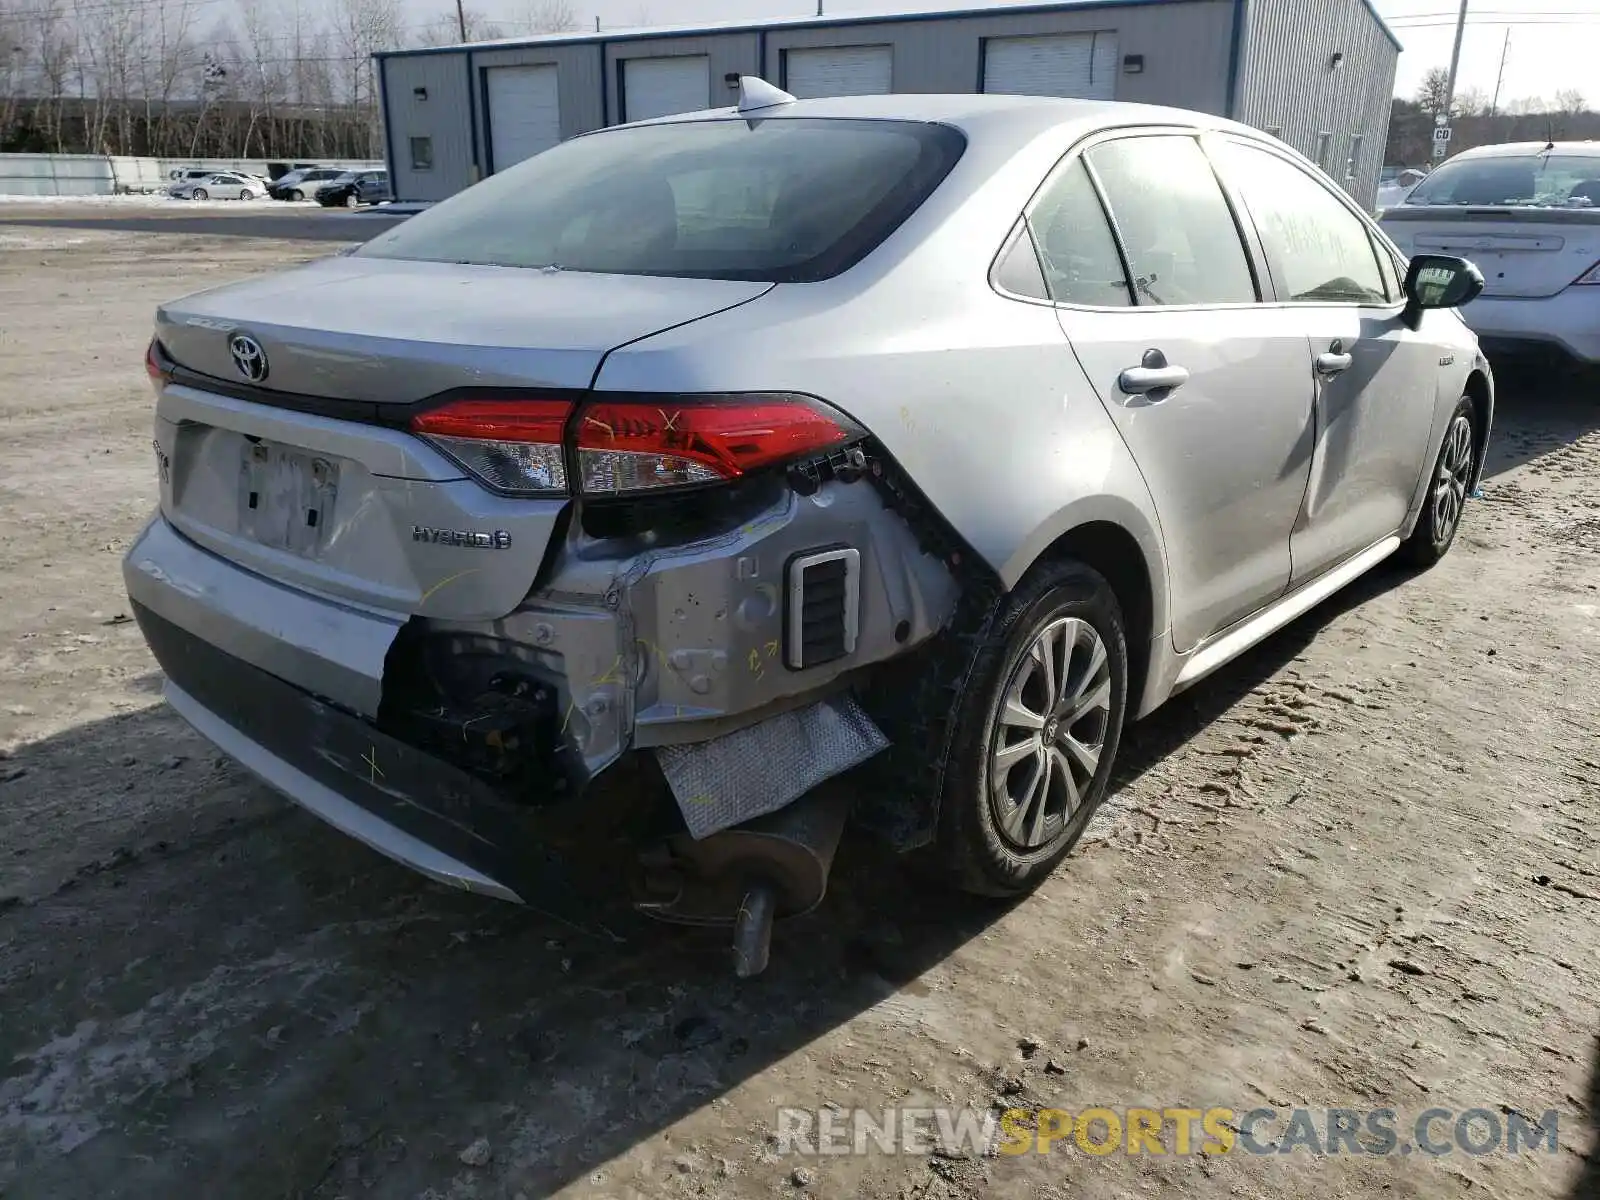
column 664, row 645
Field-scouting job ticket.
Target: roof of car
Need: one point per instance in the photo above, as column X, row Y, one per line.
column 1025, row 114
column 1507, row 149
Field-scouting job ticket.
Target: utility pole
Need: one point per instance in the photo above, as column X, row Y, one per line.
column 1455, row 60
column 1494, row 105
column 461, row 20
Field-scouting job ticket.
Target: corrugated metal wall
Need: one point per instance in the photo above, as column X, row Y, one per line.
column 441, row 113
column 1185, row 45
column 729, row 53
column 1288, row 84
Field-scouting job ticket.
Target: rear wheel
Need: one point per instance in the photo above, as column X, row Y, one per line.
column 1039, row 727
column 1447, row 490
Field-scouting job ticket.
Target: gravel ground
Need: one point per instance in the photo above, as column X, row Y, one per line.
column 1357, row 869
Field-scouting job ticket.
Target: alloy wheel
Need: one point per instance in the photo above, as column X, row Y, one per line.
column 1051, row 729
column 1450, row 485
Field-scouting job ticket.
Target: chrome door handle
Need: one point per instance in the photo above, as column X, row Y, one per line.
column 1331, row 363
column 1153, row 374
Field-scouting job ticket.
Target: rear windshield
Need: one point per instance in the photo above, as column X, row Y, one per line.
column 1569, row 180
column 784, row 200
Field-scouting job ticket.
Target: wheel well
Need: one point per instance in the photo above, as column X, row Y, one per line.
column 1478, row 393
column 1112, row 551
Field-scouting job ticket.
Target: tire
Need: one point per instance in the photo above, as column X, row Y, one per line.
column 352, row 201
column 1447, row 493
column 297, row 194
column 988, row 842
column 201, row 194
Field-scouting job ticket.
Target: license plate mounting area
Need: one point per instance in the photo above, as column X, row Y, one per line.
column 286, row 496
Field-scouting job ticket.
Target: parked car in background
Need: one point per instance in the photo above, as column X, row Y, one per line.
column 219, row 185
column 303, row 183
column 355, row 188
column 1528, row 214
column 959, row 430
column 1398, row 186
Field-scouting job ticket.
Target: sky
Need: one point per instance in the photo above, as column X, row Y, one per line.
column 1555, row 44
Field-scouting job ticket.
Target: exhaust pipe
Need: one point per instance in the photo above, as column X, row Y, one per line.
column 748, row 875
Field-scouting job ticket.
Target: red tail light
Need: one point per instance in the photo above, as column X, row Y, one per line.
column 627, row 446
column 632, row 445
column 512, row 445
column 156, row 364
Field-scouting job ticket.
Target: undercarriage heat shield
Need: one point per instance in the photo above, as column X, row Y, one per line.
column 760, row 769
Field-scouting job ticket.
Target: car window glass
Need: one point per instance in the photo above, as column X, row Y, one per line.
column 1177, row 231
column 1076, row 250
column 1317, row 248
column 1019, row 272
column 787, row 201
column 1568, row 180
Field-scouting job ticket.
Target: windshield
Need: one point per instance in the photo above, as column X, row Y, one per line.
column 1519, row 179
column 778, row 200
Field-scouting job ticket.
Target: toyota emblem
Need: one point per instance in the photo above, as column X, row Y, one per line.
column 248, row 356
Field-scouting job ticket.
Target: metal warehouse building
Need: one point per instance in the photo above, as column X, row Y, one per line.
column 1320, row 76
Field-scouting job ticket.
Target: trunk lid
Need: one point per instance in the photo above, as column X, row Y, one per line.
column 1524, row 251
column 290, row 478
column 391, row 332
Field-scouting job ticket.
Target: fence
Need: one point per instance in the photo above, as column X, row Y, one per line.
column 107, row 175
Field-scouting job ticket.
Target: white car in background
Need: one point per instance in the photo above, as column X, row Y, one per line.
column 1394, row 189
column 223, row 185
column 1528, row 214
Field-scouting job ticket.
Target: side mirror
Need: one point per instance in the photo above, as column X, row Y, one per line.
column 1439, row 281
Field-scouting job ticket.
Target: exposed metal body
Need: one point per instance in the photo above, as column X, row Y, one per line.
column 1293, row 451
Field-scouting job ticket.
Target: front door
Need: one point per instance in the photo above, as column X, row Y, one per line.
column 1375, row 377
column 1211, row 391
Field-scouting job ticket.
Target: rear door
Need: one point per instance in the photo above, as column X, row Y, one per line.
column 1376, row 380
column 1210, row 389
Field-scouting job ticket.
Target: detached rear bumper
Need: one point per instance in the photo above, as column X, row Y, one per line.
column 403, row 803
column 1566, row 325
column 266, row 674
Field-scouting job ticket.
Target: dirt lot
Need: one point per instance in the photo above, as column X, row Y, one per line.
column 1359, row 869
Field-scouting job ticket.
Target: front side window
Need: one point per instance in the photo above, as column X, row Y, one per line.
column 1177, row 231
column 1076, row 250
column 1317, row 249
column 785, row 200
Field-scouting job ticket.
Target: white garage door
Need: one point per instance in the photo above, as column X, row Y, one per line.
column 838, row 71
column 1081, row 65
column 524, row 113
column 662, row 87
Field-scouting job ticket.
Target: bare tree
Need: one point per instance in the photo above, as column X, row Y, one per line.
column 1470, row 102
column 548, row 16
column 1433, row 92
column 1570, row 102
column 445, row 28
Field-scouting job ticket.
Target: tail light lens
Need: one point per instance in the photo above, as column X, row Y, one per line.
column 1591, row 276
column 654, row 443
column 629, row 446
column 156, row 363
column 513, row 445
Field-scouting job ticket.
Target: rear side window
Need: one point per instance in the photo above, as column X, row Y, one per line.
column 1317, row 249
column 1177, row 231
column 1076, row 250
column 781, row 200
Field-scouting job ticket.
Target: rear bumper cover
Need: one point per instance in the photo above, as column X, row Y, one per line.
column 405, row 804
column 1566, row 324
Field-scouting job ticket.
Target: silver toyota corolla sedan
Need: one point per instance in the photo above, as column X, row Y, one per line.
column 937, row 436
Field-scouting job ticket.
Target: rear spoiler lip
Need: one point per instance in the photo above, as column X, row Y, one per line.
column 1453, row 213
